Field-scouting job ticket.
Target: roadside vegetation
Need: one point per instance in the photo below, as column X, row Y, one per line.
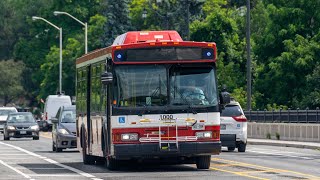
column 285, row 39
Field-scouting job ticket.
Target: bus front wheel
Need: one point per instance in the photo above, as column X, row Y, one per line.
column 203, row 162
column 111, row 163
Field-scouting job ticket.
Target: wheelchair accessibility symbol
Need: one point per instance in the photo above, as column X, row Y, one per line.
column 122, row 120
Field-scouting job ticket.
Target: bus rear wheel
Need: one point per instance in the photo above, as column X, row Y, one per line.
column 203, row 162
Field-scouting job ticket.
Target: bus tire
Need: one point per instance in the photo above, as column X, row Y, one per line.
column 203, row 162
column 87, row 159
column 112, row 164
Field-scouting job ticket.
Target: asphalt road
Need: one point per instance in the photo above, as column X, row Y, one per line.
column 28, row 159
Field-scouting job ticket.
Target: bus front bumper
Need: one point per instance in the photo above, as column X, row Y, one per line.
column 152, row 150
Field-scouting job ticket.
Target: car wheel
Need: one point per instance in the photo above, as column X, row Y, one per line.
column 36, row 138
column 53, row 147
column 58, row 149
column 203, row 162
column 242, row 147
column 6, row 138
column 230, row 149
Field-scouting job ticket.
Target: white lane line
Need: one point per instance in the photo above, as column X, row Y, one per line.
column 13, row 154
column 289, row 152
column 70, row 168
column 54, row 175
column 14, row 169
column 278, row 154
column 52, row 161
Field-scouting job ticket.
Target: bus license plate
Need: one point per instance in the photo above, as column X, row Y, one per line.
column 23, row 132
column 223, row 127
column 198, row 126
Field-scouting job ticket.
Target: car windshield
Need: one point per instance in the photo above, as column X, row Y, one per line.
column 20, row 118
column 6, row 112
column 231, row 110
column 68, row 116
column 147, row 85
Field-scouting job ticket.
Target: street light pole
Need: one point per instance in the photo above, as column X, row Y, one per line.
column 84, row 24
column 60, row 39
column 248, row 57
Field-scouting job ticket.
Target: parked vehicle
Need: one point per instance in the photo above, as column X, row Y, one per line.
column 52, row 104
column 21, row 124
column 64, row 129
column 4, row 112
column 233, row 128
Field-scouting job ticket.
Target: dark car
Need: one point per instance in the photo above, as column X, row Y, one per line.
column 64, row 129
column 21, row 124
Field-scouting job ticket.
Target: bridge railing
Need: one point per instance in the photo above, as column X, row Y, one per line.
column 284, row 116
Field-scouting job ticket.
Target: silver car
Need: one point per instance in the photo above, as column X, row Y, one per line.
column 20, row 125
column 64, row 129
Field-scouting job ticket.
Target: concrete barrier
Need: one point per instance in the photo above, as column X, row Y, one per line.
column 284, row 131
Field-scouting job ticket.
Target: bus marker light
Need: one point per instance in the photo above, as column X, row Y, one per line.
column 164, row 43
column 145, row 120
column 202, row 120
column 152, row 43
column 118, row 47
column 210, row 45
column 133, row 122
column 176, row 43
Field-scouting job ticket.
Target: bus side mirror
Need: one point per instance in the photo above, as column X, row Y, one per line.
column 224, row 98
column 106, row 78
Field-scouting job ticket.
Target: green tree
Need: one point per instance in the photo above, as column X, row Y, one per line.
column 286, row 49
column 118, row 20
column 11, row 80
column 220, row 26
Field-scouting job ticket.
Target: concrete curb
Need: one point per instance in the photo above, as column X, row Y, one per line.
column 306, row 146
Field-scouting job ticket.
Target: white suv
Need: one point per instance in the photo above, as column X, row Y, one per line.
column 233, row 128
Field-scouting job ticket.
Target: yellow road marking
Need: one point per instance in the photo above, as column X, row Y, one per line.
column 266, row 168
column 237, row 173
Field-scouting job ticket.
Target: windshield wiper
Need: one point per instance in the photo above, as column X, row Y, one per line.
column 185, row 100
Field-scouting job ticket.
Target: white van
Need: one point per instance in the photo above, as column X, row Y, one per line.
column 52, row 104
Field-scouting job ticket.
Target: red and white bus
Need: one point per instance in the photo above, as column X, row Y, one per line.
column 149, row 96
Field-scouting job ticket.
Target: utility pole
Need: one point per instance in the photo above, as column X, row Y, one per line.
column 248, row 57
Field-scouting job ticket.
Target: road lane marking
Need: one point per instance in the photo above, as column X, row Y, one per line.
column 14, row 169
column 13, row 154
column 54, row 175
column 237, row 173
column 280, row 154
column 266, row 168
column 52, row 161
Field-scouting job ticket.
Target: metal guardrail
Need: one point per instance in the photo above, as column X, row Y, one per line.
column 284, row 116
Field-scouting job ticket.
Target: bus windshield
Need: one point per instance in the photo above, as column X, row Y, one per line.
column 149, row 85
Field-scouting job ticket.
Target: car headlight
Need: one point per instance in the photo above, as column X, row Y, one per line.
column 129, row 137
column 11, row 128
column 204, row 134
column 35, row 127
column 63, row 131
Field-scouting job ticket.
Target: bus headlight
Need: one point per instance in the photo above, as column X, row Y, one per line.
column 129, row 137
column 205, row 134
